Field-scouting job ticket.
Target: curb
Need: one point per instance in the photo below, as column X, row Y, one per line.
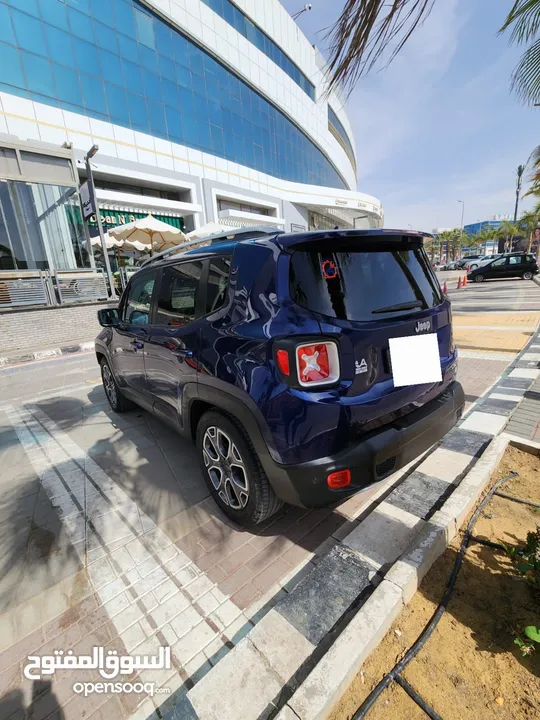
column 46, row 354
column 536, row 279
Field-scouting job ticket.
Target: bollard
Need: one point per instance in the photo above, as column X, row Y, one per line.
column 445, row 288
column 459, row 286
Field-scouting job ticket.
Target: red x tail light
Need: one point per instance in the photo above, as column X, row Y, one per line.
column 309, row 364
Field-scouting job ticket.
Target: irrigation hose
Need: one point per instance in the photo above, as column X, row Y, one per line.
column 430, row 627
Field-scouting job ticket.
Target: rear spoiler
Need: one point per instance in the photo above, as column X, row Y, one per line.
column 328, row 240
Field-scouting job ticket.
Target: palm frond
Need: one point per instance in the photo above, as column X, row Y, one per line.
column 526, row 76
column 364, row 31
column 525, row 17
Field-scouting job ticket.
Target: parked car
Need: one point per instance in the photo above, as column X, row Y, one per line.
column 480, row 262
column 512, row 265
column 272, row 355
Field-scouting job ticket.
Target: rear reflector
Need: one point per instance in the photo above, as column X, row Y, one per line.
column 339, row 479
column 317, row 363
column 282, row 357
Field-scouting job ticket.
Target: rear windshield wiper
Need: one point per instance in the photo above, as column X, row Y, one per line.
column 401, row 306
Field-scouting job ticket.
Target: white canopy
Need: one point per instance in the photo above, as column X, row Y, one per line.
column 211, row 228
column 110, row 242
column 153, row 234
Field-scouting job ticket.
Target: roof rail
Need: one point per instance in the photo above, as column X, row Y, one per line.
column 246, row 233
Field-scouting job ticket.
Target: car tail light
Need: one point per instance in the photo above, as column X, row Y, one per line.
column 317, row 364
column 282, row 357
column 339, row 479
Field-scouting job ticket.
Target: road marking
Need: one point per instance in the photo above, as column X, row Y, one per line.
column 482, row 355
column 125, row 553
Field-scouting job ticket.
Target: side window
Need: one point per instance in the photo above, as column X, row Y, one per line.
column 137, row 306
column 499, row 263
column 177, row 302
column 218, row 283
column 516, row 260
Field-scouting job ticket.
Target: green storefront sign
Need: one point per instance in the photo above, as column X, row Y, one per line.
column 112, row 218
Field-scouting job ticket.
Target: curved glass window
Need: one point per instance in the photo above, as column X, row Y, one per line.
column 336, row 127
column 152, row 79
column 240, row 22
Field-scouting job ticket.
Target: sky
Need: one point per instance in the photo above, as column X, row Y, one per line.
column 440, row 124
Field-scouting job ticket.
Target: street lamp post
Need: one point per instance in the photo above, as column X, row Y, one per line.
column 92, row 188
column 306, row 8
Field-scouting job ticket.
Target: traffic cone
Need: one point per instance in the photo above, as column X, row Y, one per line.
column 445, row 288
column 464, row 281
column 459, row 286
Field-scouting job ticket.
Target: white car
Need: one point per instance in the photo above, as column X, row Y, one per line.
column 482, row 261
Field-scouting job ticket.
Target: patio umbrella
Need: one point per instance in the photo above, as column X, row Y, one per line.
column 211, row 228
column 150, row 232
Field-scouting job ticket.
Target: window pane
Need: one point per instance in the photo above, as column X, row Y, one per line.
column 106, row 37
column 87, row 57
column 132, row 76
column 156, row 116
column 11, row 65
column 145, row 29
column 117, row 103
column 125, row 22
column 93, row 93
column 137, row 112
column 60, row 46
column 29, row 32
column 137, row 307
column 152, row 85
column 128, row 49
column 6, row 29
column 67, row 85
column 111, row 67
column 54, row 13
column 218, row 283
column 29, row 6
column 80, row 25
column 38, row 74
column 177, row 297
column 82, row 5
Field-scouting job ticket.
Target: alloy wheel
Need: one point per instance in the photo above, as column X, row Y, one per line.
column 226, row 468
column 109, row 385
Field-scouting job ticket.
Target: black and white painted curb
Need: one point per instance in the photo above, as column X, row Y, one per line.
column 306, row 647
column 46, row 354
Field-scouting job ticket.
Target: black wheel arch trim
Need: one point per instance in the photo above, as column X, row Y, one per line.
column 240, row 406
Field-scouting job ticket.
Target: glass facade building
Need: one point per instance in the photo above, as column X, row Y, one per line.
column 240, row 21
column 116, row 61
column 196, row 111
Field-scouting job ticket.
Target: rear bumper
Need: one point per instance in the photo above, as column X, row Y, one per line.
column 375, row 457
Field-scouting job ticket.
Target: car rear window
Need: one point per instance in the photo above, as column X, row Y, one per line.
column 363, row 286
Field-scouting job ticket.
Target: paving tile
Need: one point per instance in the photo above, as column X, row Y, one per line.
column 484, row 422
column 524, row 373
column 185, row 621
column 283, row 646
column 418, row 494
column 497, row 407
column 237, row 580
column 384, row 534
column 237, row 558
column 271, row 574
column 239, row 681
column 466, row 441
column 193, row 642
column 321, row 598
column 445, row 464
column 245, row 596
column 505, row 396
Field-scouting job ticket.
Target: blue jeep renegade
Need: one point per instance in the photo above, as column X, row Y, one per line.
column 272, row 354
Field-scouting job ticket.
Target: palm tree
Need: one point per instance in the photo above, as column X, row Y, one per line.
column 508, row 231
column 367, row 28
column 528, row 223
column 519, row 180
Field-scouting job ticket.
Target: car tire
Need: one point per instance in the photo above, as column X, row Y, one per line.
column 117, row 400
column 479, row 278
column 232, row 470
column 527, row 275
